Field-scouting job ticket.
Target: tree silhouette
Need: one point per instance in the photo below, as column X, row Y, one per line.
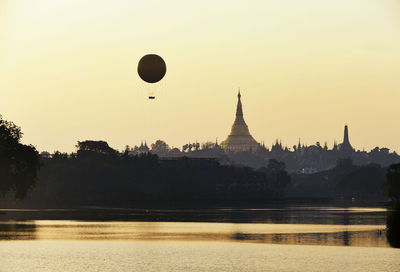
column 393, row 226
column 392, row 189
column 392, row 186
column 98, row 147
column 160, row 148
column 19, row 163
column 277, row 175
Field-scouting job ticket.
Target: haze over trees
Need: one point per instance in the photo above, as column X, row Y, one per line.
column 312, row 157
column 345, row 181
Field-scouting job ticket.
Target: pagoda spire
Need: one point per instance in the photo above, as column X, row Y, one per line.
column 345, row 148
column 239, row 111
column 346, row 136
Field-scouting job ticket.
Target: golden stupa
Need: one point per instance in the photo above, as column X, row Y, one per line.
column 240, row 138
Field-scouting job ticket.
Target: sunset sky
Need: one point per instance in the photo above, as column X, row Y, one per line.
column 305, row 69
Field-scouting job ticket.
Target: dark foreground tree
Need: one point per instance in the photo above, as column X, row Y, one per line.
column 277, row 175
column 19, row 163
column 392, row 186
column 393, row 227
column 363, row 182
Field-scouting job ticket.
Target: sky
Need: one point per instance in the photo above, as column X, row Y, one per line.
column 68, row 70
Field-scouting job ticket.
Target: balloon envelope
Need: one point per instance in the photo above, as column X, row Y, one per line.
column 151, row 68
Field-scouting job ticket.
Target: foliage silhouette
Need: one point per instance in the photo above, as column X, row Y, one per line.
column 362, row 182
column 276, row 173
column 99, row 147
column 160, row 148
column 19, row 163
column 105, row 178
column 392, row 186
column 393, row 226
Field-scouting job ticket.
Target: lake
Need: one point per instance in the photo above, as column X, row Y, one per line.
column 276, row 238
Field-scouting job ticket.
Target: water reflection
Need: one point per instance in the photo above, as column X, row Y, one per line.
column 292, row 225
column 306, row 234
column 17, row 231
column 357, row 238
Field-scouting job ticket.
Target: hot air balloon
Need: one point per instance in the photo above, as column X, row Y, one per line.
column 151, row 69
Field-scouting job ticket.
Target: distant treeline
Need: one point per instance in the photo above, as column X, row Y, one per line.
column 313, row 157
column 98, row 175
column 345, row 181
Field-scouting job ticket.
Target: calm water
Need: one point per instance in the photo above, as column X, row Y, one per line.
column 292, row 238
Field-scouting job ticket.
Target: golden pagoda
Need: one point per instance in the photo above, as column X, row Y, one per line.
column 240, row 138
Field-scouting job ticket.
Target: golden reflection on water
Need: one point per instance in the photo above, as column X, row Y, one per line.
column 310, row 234
column 353, row 209
column 310, row 225
column 86, row 240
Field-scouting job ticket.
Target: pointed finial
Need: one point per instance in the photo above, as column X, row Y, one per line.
column 239, row 111
column 346, row 135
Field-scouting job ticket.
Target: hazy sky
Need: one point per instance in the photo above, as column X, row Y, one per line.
column 305, row 68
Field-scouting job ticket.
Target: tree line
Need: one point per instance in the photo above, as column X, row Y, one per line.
column 99, row 175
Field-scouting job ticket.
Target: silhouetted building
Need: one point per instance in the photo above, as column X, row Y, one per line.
column 240, row 138
column 143, row 148
column 345, row 148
